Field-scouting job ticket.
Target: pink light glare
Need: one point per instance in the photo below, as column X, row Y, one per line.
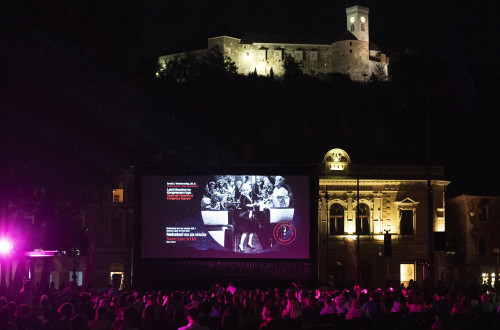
column 5, row 246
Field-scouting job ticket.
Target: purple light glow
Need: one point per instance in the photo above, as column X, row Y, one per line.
column 5, row 246
column 49, row 253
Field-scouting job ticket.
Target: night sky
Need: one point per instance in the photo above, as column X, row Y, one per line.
column 74, row 105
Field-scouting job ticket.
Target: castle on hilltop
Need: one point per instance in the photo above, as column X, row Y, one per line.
column 350, row 53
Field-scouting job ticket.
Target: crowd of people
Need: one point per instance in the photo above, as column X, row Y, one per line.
column 231, row 307
column 227, row 193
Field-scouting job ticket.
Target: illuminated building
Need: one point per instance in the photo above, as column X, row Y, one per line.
column 392, row 199
column 472, row 224
column 350, row 53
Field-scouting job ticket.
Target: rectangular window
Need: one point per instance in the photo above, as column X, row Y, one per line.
column 117, row 195
column 482, row 247
column 278, row 55
column 262, row 54
column 337, row 226
column 298, row 55
column 314, row 56
column 483, row 213
column 362, row 226
column 116, row 225
column 406, row 222
column 79, row 277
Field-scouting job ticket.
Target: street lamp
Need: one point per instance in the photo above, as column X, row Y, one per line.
column 5, row 246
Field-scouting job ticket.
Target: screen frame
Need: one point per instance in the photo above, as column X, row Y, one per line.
column 312, row 171
column 141, row 171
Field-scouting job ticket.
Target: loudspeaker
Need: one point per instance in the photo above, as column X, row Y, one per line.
column 387, row 245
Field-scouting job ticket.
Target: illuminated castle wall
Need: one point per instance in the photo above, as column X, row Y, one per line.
column 350, row 53
column 391, row 199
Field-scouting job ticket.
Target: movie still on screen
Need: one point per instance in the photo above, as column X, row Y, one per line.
column 225, row 216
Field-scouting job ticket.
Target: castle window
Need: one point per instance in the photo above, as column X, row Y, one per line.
column 262, row 54
column 298, row 56
column 362, row 27
column 247, row 54
column 352, row 27
column 314, row 56
column 350, row 51
column 350, row 43
column 278, row 55
column 337, row 219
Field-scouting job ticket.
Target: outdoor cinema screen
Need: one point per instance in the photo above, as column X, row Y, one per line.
column 231, row 215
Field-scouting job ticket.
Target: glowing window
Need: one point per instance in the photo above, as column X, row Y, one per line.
column 337, row 219
column 79, row 277
column 117, row 195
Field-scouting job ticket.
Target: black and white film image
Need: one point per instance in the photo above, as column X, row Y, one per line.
column 252, row 206
column 226, row 216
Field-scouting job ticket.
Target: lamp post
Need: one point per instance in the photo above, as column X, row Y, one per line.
column 327, row 234
column 496, row 252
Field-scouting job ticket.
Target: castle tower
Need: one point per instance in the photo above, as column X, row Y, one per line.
column 358, row 22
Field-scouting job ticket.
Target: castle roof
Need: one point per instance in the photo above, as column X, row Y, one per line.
column 345, row 35
column 286, row 38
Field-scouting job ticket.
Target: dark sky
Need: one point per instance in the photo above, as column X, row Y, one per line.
column 41, row 39
column 444, row 24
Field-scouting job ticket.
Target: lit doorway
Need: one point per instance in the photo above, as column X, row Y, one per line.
column 407, row 273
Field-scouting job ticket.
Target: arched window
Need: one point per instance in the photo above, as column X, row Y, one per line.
column 352, row 27
column 363, row 220
column 337, row 219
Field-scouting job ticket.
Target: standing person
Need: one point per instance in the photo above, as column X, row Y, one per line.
column 25, row 295
column 193, row 317
column 270, row 319
column 245, row 223
column 280, row 195
column 256, row 188
column 101, row 321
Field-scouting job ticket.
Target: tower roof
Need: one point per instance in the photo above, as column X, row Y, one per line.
column 346, row 35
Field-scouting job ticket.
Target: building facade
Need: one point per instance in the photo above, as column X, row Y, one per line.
column 350, row 53
column 473, row 223
column 110, row 235
column 360, row 207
